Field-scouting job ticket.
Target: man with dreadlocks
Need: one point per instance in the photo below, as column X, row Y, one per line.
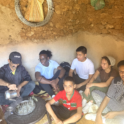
column 44, row 74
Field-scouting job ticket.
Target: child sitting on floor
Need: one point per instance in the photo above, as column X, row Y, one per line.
column 71, row 110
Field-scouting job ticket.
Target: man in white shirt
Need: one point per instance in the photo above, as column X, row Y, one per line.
column 84, row 68
column 44, row 73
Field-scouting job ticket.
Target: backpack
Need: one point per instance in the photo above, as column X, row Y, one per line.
column 98, row 4
column 66, row 66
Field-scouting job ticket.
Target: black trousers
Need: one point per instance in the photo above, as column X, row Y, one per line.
column 79, row 80
column 63, row 113
column 47, row 87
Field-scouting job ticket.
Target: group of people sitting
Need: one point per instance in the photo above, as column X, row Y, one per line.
column 79, row 89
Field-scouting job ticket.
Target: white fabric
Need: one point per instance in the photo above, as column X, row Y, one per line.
column 116, row 120
column 92, row 117
column 87, row 107
column 81, row 91
column 93, row 108
column 112, row 60
column 83, row 69
column 84, row 101
column 47, row 72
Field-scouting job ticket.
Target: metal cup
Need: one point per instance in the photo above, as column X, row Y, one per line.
column 9, row 109
column 9, row 94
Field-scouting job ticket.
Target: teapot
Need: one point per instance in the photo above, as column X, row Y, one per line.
column 9, row 94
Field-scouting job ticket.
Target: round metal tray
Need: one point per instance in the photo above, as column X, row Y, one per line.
column 24, row 102
column 31, row 118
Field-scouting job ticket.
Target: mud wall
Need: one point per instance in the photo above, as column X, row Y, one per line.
column 74, row 23
column 69, row 17
column 63, row 49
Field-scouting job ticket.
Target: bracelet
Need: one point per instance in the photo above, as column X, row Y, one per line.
column 40, row 79
column 59, row 78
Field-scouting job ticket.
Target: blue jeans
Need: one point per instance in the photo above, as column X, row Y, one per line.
column 25, row 91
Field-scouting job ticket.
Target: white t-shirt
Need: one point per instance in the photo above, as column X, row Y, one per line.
column 83, row 69
column 47, row 72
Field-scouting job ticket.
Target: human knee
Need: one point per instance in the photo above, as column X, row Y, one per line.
column 31, row 85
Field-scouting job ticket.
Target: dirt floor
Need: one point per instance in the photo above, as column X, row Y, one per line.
column 82, row 121
column 1, row 116
column 45, row 121
column 71, row 16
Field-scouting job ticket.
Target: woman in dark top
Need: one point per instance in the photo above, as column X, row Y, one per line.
column 106, row 73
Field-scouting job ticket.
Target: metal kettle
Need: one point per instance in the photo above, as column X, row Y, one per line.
column 9, row 94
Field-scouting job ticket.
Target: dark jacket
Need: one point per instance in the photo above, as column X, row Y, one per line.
column 20, row 75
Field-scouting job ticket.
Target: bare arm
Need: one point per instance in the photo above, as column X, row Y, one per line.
column 10, row 86
column 24, row 83
column 87, row 90
column 104, row 84
column 75, row 117
column 94, row 77
column 103, row 105
column 120, row 113
column 109, row 115
column 3, row 83
column 84, row 83
column 54, row 82
column 101, row 108
column 20, row 87
column 51, row 112
column 71, row 72
column 41, row 79
column 62, row 71
column 113, row 114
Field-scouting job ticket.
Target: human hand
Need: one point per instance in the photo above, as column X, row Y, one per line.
column 19, row 89
column 110, row 115
column 57, row 89
column 98, row 119
column 87, row 92
column 12, row 87
column 75, row 86
column 58, row 121
column 54, row 83
column 65, row 122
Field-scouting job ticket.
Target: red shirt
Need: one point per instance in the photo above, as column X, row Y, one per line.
column 73, row 103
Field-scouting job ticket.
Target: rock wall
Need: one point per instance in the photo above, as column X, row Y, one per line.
column 69, row 17
column 63, row 49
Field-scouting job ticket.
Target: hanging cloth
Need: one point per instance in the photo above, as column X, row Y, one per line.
column 34, row 11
